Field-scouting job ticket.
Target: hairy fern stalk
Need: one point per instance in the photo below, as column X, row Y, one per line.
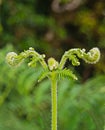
column 54, row 70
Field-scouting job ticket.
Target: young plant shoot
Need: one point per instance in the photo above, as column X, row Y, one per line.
column 54, row 70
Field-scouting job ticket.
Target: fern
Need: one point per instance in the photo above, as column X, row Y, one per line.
column 53, row 69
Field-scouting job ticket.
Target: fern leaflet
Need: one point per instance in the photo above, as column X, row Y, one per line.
column 43, row 75
column 65, row 73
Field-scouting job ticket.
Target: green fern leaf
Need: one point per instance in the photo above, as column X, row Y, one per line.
column 66, row 73
column 43, row 75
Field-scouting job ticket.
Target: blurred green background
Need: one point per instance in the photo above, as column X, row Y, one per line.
column 52, row 27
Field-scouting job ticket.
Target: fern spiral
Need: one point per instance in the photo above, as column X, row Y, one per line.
column 13, row 59
column 91, row 57
column 52, row 64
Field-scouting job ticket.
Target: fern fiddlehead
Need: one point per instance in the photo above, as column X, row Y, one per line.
column 91, row 57
column 54, row 70
column 14, row 60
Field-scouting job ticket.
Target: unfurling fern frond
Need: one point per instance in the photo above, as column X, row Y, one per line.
column 14, row 59
column 91, row 57
column 65, row 73
column 43, row 75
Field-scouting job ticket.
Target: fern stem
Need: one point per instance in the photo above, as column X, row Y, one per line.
column 54, row 102
column 62, row 62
